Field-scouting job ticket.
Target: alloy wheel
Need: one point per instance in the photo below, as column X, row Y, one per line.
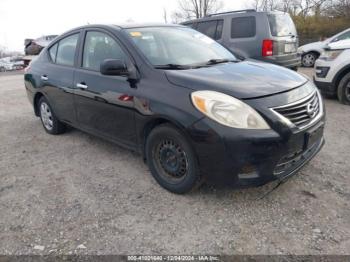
column 309, row 60
column 46, row 116
column 347, row 91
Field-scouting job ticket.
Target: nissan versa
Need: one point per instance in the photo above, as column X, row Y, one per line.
column 188, row 105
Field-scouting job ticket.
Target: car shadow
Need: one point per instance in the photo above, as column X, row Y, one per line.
column 261, row 193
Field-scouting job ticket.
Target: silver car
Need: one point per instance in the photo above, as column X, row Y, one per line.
column 266, row 36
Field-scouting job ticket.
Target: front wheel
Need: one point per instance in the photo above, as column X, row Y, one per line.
column 49, row 120
column 309, row 59
column 344, row 90
column 172, row 160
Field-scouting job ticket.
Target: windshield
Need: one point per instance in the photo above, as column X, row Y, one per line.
column 281, row 25
column 178, row 46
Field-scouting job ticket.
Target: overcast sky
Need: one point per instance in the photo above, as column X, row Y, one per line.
column 20, row 19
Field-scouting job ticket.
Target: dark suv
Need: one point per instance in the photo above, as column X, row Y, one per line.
column 188, row 105
column 266, row 36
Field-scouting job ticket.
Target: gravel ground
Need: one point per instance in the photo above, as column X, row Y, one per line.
column 75, row 193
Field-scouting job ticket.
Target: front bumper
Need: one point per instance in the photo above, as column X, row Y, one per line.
column 326, row 87
column 246, row 158
column 324, row 80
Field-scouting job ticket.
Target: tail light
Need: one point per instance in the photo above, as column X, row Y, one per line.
column 267, row 47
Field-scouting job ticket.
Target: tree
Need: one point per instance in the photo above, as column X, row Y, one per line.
column 2, row 51
column 193, row 9
column 340, row 8
column 165, row 15
column 301, row 8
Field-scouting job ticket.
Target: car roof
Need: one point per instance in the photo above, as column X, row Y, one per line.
column 247, row 12
column 126, row 26
column 137, row 25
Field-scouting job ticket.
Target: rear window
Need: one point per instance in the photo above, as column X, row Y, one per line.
column 242, row 27
column 66, row 50
column 53, row 52
column 281, row 25
column 219, row 28
column 212, row 28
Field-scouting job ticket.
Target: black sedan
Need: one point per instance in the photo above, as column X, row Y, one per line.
column 191, row 108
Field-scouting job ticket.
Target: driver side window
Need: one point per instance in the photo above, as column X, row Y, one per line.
column 99, row 46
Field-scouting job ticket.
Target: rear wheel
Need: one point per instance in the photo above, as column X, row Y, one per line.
column 309, row 59
column 50, row 122
column 344, row 90
column 171, row 160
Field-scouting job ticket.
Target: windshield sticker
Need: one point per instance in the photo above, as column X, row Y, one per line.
column 136, row 34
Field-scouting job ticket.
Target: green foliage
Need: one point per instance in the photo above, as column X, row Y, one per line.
column 319, row 27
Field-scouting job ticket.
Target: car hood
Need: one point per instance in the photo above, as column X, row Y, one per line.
column 247, row 79
column 342, row 44
column 312, row 46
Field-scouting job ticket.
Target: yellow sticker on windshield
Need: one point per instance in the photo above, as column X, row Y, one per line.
column 136, row 34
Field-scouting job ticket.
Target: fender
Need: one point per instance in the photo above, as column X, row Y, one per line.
column 339, row 76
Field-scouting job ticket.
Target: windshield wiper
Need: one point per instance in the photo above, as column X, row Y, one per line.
column 219, row 61
column 172, row 67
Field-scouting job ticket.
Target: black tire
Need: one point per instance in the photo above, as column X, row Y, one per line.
column 309, row 59
column 344, row 90
column 172, row 160
column 51, row 123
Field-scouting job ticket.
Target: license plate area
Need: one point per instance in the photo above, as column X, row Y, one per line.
column 290, row 48
column 313, row 136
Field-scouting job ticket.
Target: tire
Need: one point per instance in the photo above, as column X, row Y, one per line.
column 48, row 118
column 344, row 90
column 172, row 160
column 309, row 59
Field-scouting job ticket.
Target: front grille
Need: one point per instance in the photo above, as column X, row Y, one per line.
column 303, row 112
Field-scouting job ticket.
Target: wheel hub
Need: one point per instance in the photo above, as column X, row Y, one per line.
column 46, row 116
column 308, row 60
column 172, row 159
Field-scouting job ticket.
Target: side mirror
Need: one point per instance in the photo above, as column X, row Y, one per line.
column 114, row 67
column 335, row 40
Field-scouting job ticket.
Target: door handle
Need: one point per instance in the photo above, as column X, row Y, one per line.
column 82, row 86
column 44, row 78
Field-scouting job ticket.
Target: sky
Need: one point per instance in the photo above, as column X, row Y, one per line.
column 20, row 19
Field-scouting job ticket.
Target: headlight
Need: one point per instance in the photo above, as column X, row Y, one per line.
column 227, row 110
column 330, row 55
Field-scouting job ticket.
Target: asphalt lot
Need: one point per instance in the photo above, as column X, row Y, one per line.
column 75, row 193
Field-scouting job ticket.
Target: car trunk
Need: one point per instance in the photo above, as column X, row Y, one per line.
column 284, row 34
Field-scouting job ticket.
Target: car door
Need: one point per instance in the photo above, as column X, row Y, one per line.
column 57, row 77
column 103, row 103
